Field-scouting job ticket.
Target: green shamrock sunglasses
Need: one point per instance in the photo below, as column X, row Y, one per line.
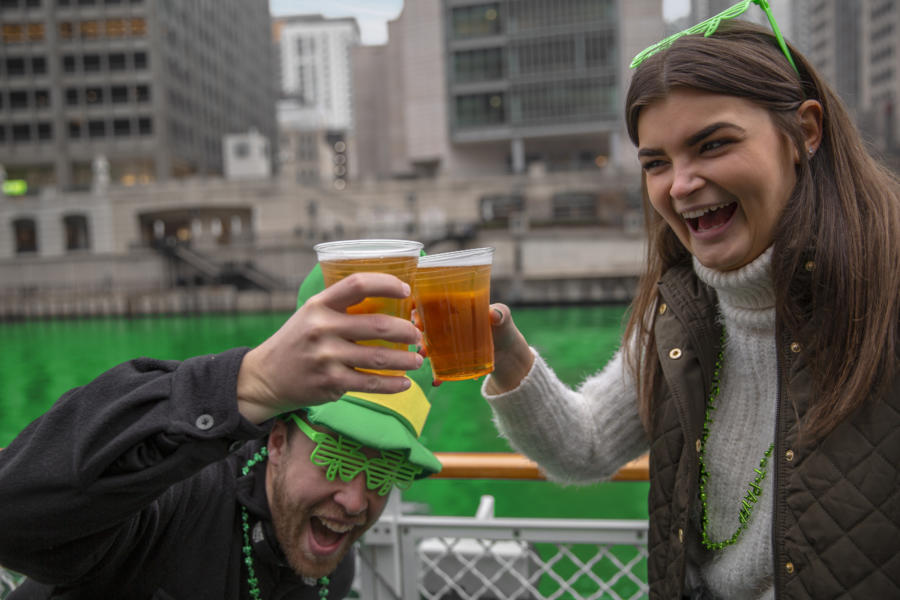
column 709, row 27
column 343, row 457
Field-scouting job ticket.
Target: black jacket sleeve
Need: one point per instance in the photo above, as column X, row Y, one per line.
column 74, row 482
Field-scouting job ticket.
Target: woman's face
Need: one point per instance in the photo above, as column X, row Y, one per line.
column 719, row 173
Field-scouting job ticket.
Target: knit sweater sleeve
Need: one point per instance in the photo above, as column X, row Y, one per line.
column 575, row 436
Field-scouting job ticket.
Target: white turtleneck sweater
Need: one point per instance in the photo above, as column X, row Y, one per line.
column 584, row 435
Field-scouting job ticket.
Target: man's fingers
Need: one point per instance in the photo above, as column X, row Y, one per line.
column 359, row 286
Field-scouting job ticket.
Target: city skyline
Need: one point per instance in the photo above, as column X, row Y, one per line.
column 373, row 15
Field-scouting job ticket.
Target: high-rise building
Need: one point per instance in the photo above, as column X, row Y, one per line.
column 315, row 110
column 149, row 87
column 880, row 75
column 499, row 86
column 834, row 45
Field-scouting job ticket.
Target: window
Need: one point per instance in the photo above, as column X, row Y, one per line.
column 145, row 126
column 74, row 129
column 93, row 95
column 121, row 127
column 38, row 65
column 25, row 233
column 140, row 60
column 18, row 100
column 42, row 98
column 480, row 109
column 76, row 227
column 89, row 29
column 138, row 27
column 35, row 32
column 72, row 96
column 118, row 94
column 91, row 63
column 2, row 134
column 241, row 150
column 66, row 30
column 574, row 205
column 142, row 93
column 476, row 21
column 15, row 67
column 21, row 132
column 115, row 28
column 96, row 129
column 12, row 33
column 478, row 65
column 117, row 62
column 45, row 131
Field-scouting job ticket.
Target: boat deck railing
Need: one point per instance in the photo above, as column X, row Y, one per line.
column 412, row 557
column 407, row 556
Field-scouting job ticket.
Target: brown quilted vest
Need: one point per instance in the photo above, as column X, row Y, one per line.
column 836, row 518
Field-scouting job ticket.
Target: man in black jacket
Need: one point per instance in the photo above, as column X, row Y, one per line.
column 152, row 481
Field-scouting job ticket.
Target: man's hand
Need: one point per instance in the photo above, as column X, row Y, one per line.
column 313, row 357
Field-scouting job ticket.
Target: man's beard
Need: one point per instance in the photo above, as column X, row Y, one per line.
column 293, row 523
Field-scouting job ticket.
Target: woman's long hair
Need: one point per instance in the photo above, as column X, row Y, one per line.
column 843, row 214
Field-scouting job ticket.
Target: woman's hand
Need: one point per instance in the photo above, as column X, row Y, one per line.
column 512, row 355
column 313, row 357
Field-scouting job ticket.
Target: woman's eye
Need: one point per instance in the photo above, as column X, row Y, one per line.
column 651, row 164
column 713, row 145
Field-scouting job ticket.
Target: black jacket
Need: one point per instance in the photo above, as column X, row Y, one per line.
column 836, row 516
column 128, row 488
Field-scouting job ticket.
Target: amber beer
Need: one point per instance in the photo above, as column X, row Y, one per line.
column 452, row 292
column 397, row 257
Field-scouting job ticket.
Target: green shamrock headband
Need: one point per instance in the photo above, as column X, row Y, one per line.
column 709, row 27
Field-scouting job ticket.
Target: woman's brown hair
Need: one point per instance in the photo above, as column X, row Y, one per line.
column 843, row 214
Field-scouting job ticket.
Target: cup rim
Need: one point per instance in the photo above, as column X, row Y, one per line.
column 463, row 258
column 367, row 248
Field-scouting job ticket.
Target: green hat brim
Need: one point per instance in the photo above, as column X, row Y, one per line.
column 373, row 428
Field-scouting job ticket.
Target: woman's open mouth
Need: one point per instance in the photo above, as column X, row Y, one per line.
column 706, row 219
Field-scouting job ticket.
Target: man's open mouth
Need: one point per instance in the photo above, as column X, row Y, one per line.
column 704, row 219
column 328, row 533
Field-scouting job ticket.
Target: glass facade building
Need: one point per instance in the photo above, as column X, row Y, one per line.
column 151, row 85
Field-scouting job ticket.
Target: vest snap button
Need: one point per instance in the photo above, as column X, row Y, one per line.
column 789, row 455
column 675, row 353
column 810, row 265
column 789, row 567
column 699, row 445
column 795, row 347
column 681, row 535
column 663, row 308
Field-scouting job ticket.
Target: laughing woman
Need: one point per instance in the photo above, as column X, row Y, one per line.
column 760, row 361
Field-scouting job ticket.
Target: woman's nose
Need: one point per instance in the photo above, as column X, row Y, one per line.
column 685, row 181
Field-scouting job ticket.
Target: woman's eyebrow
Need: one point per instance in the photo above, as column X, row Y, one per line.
column 695, row 138
column 709, row 130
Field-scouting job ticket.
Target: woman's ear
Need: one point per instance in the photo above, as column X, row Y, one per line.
column 810, row 116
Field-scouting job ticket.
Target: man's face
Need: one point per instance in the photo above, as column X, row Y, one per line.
column 316, row 520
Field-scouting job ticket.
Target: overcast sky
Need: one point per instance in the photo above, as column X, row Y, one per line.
column 373, row 15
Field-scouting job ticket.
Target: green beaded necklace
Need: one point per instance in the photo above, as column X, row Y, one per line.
column 252, row 581
column 754, row 489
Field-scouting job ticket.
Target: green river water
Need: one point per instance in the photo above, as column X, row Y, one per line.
column 39, row 360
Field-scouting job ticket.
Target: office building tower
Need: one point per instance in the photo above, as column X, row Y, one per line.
column 146, row 88
column 315, row 110
column 499, row 86
column 880, row 75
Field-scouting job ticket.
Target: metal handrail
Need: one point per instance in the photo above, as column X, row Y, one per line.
column 510, row 465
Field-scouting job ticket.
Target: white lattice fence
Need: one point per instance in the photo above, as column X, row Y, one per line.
column 483, row 558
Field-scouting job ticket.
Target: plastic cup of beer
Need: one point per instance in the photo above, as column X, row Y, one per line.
column 341, row 259
column 452, row 292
